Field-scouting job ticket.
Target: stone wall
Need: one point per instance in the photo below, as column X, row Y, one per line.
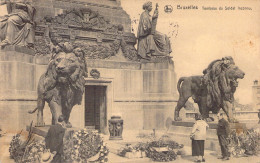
column 143, row 93
column 110, row 9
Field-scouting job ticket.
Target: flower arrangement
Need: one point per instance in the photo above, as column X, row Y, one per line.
column 247, row 142
column 103, row 153
column 165, row 155
column 83, row 145
column 15, row 145
column 79, row 146
column 136, row 151
column 152, row 148
column 26, row 151
column 34, row 151
column 161, row 156
column 127, row 148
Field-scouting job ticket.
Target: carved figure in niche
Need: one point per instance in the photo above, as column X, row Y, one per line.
column 62, row 85
column 111, row 129
column 150, row 41
column 17, row 28
column 118, row 129
column 213, row 91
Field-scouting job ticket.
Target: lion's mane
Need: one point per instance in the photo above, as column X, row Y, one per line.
column 74, row 87
column 219, row 87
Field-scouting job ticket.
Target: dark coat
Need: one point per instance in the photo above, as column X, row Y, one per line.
column 223, row 127
column 54, row 138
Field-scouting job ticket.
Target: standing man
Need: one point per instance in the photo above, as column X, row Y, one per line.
column 54, row 140
column 223, row 131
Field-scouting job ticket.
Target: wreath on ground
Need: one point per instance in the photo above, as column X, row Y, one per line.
column 79, row 146
column 83, row 146
column 28, row 149
column 162, row 150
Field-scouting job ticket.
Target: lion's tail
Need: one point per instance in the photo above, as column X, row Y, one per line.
column 179, row 84
column 32, row 111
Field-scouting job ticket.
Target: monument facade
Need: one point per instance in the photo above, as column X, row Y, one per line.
column 117, row 80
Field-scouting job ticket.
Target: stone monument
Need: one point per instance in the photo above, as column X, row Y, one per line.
column 118, row 81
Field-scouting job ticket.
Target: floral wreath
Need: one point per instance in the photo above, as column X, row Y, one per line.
column 85, row 146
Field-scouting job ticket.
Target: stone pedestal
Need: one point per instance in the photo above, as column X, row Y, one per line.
column 115, row 128
column 180, row 131
column 42, row 131
column 20, row 71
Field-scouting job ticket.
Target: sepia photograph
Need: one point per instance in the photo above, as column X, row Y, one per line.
column 129, row 81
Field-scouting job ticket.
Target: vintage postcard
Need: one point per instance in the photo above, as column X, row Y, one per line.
column 129, row 81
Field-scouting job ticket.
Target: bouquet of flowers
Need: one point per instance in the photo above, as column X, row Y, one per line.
column 163, row 156
column 151, row 149
column 29, row 150
column 84, row 145
column 34, row 151
column 127, row 148
column 15, row 145
column 244, row 143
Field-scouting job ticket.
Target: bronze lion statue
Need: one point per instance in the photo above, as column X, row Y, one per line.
column 212, row 91
column 62, row 85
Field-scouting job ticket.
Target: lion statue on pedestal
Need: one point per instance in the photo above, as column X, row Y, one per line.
column 62, row 85
column 212, row 91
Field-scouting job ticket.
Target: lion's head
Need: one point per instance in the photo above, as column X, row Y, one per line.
column 232, row 74
column 223, row 83
column 228, row 81
column 67, row 68
column 66, row 64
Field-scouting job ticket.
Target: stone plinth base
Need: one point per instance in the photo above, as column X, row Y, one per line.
column 42, row 131
column 116, row 138
column 180, row 132
column 212, row 125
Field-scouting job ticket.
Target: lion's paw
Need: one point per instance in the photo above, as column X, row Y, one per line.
column 209, row 119
column 233, row 120
column 69, row 125
column 177, row 119
column 40, row 124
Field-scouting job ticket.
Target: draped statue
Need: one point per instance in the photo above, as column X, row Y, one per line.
column 17, row 28
column 150, row 41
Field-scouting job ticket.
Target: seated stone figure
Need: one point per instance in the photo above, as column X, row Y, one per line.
column 150, row 41
column 16, row 28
